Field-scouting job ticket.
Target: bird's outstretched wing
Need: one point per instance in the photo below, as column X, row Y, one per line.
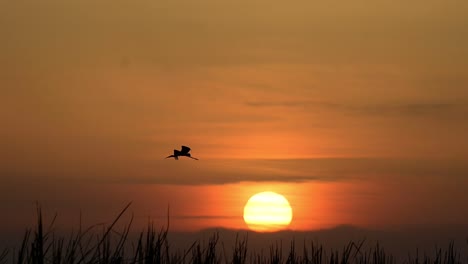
column 172, row 156
column 185, row 149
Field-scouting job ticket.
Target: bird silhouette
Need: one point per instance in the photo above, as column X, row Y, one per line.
column 183, row 152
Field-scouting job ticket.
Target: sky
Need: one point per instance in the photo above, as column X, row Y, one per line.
column 353, row 110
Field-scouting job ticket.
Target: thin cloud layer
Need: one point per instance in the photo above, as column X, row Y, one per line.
column 208, row 172
column 410, row 109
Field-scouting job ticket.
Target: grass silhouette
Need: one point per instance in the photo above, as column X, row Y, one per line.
column 111, row 246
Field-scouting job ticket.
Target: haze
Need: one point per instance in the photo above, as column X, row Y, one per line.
column 354, row 110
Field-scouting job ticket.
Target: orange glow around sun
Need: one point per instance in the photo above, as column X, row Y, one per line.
column 267, row 212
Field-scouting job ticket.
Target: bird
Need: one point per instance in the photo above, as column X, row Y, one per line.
column 183, row 152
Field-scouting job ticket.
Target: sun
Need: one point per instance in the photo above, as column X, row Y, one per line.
column 267, row 212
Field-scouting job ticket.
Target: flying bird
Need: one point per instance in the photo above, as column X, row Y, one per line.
column 183, row 152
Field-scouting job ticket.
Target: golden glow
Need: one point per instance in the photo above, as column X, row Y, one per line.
column 267, row 212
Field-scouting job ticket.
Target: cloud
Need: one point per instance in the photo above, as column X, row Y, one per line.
column 236, row 118
column 289, row 103
column 207, row 177
column 201, row 217
column 412, row 108
column 219, row 172
column 229, row 171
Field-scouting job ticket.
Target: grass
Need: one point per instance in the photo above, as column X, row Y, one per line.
column 152, row 246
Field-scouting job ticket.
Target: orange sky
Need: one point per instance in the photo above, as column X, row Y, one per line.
column 347, row 97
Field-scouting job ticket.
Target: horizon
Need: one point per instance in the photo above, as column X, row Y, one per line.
column 399, row 244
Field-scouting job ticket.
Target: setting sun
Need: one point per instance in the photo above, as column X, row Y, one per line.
column 267, row 212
